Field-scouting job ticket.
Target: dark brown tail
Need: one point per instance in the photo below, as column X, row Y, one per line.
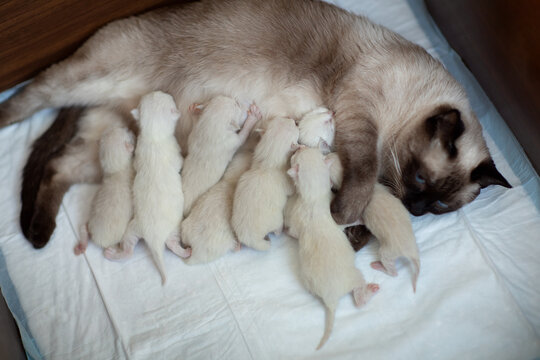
column 38, row 171
column 358, row 236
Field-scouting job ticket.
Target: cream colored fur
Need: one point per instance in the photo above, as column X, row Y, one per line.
column 112, row 206
column 315, row 127
column 387, row 219
column 262, row 192
column 326, row 256
column 207, row 229
column 157, row 188
column 222, row 128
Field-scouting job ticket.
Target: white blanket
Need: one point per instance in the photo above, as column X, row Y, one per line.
column 478, row 294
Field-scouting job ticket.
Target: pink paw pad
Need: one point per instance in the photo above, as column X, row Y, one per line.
column 80, row 248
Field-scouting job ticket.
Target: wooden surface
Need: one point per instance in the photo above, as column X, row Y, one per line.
column 36, row 33
column 499, row 40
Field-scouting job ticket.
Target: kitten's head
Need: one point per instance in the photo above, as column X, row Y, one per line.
column 317, row 126
column 441, row 164
column 116, row 149
column 231, row 113
column 279, row 140
column 157, row 114
column 310, row 171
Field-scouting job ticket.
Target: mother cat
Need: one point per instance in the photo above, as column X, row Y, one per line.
column 400, row 117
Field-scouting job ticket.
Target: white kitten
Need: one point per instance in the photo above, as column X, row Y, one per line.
column 317, row 128
column 262, row 192
column 112, row 207
column 222, row 128
column 157, row 188
column 207, row 229
column 326, row 256
column 387, row 219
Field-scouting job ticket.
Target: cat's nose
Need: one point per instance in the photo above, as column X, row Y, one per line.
column 417, row 208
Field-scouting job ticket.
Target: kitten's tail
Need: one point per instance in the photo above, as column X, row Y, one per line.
column 329, row 324
column 157, row 256
column 47, row 147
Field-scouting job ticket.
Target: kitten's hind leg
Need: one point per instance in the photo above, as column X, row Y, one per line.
column 81, row 246
column 125, row 248
column 173, row 243
column 363, row 293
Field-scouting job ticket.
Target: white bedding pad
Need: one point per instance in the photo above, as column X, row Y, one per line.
column 478, row 293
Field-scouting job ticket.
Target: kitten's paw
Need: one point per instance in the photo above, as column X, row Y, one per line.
column 80, row 248
column 115, row 253
column 196, row 108
column 388, row 267
column 255, row 112
column 363, row 293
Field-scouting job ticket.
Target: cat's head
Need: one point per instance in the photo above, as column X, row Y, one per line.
column 441, row 164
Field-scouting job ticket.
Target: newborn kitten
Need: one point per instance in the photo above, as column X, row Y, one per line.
column 326, row 256
column 262, row 192
column 386, row 217
column 207, row 229
column 317, row 128
column 112, row 207
column 221, row 129
column 157, row 188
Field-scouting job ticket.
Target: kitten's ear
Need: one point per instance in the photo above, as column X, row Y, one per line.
column 487, row 174
column 446, row 126
column 135, row 114
column 259, row 130
column 130, row 147
column 176, row 112
column 324, row 148
column 329, row 160
column 293, row 172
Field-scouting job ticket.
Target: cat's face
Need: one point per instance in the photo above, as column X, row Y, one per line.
column 441, row 165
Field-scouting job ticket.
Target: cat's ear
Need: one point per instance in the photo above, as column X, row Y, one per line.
column 487, row 174
column 135, row 114
column 260, row 131
column 446, row 127
column 324, row 148
column 293, row 172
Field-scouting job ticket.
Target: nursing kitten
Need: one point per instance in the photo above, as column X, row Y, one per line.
column 317, row 129
column 112, row 206
column 400, row 116
column 262, row 191
column 389, row 221
column 207, row 229
column 222, row 128
column 326, row 256
column 157, row 188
